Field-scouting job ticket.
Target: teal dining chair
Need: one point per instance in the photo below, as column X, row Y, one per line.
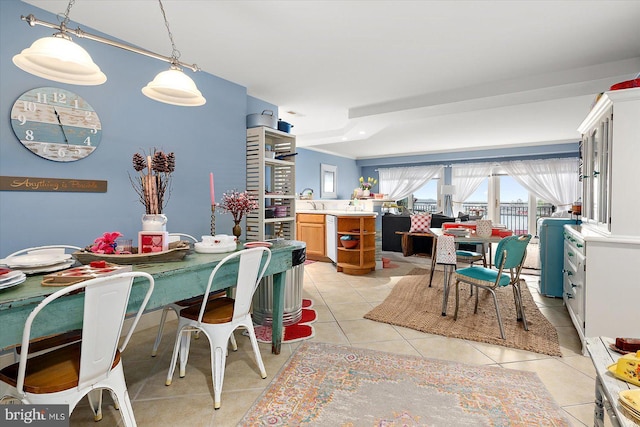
column 510, row 255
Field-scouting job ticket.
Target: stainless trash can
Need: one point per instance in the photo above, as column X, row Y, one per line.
column 263, row 297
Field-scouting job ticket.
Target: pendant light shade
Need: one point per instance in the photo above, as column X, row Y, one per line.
column 174, row 87
column 60, row 59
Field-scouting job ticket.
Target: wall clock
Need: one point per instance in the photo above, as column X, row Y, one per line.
column 56, row 124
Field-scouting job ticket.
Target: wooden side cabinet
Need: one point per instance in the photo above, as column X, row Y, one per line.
column 310, row 228
column 361, row 259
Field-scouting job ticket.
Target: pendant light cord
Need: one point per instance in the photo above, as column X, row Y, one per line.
column 175, row 53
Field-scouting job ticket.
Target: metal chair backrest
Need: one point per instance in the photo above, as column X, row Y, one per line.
column 249, row 276
column 176, row 237
column 511, row 251
column 45, row 249
column 105, row 307
column 446, row 250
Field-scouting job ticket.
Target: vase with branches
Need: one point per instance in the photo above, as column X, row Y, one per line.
column 153, row 182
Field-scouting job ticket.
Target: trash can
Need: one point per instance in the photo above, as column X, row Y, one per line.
column 263, row 297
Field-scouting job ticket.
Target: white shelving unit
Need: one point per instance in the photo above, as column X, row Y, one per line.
column 272, row 182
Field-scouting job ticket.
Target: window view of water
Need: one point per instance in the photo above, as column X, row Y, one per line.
column 514, row 208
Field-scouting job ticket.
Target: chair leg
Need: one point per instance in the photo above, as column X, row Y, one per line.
column 519, row 306
column 218, row 361
column 154, row 351
column 126, row 410
column 475, row 308
column 446, row 287
column 256, row 349
column 174, row 358
column 95, row 403
column 495, row 301
column 234, row 344
column 185, row 344
column 455, row 314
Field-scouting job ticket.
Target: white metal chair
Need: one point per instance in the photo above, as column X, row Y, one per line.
column 179, row 305
column 45, row 249
column 67, row 374
column 510, row 254
column 446, row 256
column 218, row 318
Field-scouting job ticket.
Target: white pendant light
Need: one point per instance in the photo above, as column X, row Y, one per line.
column 58, row 58
column 174, row 87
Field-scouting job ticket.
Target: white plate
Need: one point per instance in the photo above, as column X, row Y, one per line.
column 16, row 281
column 258, row 245
column 35, row 260
column 214, row 249
column 10, row 276
column 48, row 268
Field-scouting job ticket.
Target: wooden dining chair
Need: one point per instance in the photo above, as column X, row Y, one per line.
column 67, row 374
column 510, row 255
column 218, row 318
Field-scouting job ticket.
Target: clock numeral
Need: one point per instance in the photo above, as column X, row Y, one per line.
column 58, row 97
column 94, row 129
column 22, row 119
column 28, row 135
column 28, row 106
column 87, row 141
column 75, row 103
column 88, row 115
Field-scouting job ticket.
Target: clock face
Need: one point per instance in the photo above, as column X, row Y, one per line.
column 56, row 124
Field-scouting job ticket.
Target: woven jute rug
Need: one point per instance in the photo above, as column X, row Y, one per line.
column 413, row 304
column 329, row 385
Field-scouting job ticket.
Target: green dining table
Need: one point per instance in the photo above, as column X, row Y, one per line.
column 174, row 281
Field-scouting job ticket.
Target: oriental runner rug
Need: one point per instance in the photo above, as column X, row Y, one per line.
column 328, row 385
column 413, row 304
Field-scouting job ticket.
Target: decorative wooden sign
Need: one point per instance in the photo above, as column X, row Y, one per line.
column 32, row 183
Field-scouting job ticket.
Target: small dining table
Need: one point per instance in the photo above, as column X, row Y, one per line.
column 471, row 238
column 174, row 281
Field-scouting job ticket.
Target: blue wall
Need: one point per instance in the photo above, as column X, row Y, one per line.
column 205, row 139
column 308, row 172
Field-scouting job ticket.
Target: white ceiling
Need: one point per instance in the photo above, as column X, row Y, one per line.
column 384, row 78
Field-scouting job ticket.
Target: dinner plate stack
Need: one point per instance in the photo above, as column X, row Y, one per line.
column 39, row 262
column 458, row 232
column 10, row 278
column 630, row 400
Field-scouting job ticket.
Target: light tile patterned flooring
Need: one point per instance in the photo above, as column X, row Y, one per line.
column 340, row 301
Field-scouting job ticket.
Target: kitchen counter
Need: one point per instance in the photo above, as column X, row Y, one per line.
column 336, row 212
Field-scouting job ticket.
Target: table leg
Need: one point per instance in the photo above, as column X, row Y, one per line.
column 598, row 407
column 278, row 310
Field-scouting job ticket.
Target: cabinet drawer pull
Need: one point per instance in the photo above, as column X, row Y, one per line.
column 568, row 295
column 570, row 253
column 579, row 245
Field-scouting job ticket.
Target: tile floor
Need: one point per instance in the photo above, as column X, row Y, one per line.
column 340, row 301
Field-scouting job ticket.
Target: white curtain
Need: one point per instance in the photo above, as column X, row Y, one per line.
column 399, row 183
column 466, row 178
column 553, row 180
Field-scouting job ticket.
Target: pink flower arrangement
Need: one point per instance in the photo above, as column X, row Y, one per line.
column 238, row 204
column 106, row 244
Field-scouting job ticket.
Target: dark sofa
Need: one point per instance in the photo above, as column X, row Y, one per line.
column 392, row 223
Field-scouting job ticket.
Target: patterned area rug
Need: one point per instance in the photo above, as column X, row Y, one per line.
column 328, row 385
column 413, row 304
